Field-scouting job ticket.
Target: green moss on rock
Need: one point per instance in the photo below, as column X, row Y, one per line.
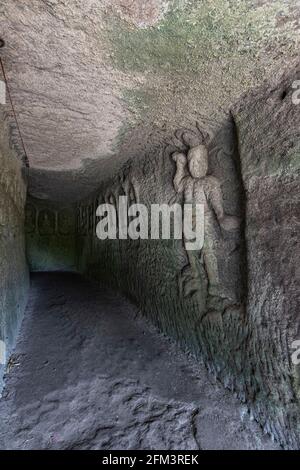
column 190, row 36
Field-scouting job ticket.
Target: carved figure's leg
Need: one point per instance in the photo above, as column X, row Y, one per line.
column 210, row 260
column 218, row 297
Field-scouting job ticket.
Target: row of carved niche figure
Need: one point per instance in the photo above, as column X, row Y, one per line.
column 86, row 214
column 13, row 186
column 48, row 222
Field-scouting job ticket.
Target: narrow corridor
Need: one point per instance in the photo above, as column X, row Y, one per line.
column 89, row 373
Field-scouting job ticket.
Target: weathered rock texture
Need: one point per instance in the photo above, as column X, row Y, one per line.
column 268, row 125
column 243, row 323
column 154, row 273
column 91, row 80
column 13, row 267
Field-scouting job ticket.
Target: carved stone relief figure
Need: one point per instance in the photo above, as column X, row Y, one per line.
column 83, row 220
column 192, row 181
column 46, row 222
column 131, row 190
column 91, row 218
column 11, row 184
column 78, row 215
column 64, row 222
column 30, row 218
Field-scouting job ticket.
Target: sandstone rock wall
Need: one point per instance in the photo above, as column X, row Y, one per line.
column 239, row 313
column 13, row 266
column 204, row 311
column 268, row 128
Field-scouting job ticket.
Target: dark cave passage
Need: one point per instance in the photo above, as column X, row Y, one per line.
column 87, row 373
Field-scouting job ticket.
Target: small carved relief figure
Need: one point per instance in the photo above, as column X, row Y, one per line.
column 78, row 220
column 83, row 220
column 30, row 218
column 191, row 180
column 91, row 219
column 130, row 188
column 65, row 222
column 46, row 222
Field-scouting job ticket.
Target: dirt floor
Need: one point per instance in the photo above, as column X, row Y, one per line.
column 89, row 373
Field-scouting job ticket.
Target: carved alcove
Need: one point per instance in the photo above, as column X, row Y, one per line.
column 207, row 172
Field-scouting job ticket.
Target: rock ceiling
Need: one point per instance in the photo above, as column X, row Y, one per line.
column 94, row 82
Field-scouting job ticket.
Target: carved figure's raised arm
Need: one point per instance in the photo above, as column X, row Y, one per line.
column 181, row 171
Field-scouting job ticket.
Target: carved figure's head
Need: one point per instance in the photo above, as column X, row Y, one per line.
column 198, row 161
column 179, row 158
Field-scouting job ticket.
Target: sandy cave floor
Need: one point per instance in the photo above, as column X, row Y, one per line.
column 88, row 373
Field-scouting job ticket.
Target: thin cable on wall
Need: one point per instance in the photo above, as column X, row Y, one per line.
column 26, row 161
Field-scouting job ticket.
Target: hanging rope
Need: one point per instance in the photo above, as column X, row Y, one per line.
column 26, row 161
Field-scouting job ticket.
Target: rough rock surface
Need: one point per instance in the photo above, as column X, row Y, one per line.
column 87, row 374
column 241, row 311
column 268, row 128
column 92, row 80
column 13, row 268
